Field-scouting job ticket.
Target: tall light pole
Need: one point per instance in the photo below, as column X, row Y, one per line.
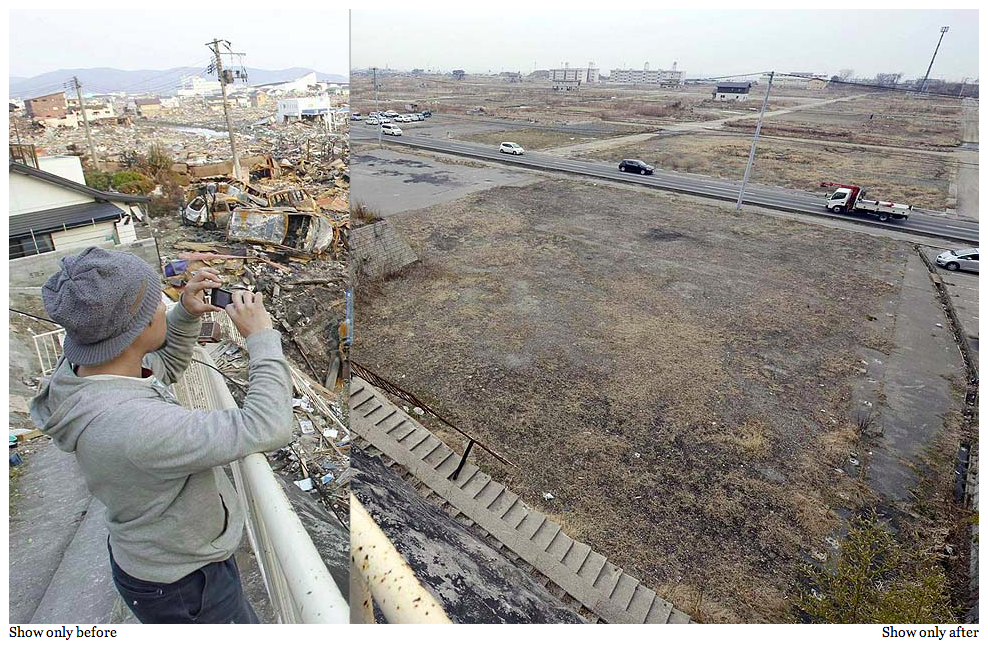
column 754, row 142
column 943, row 30
column 377, row 106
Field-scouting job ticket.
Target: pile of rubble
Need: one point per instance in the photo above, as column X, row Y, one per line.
column 273, row 236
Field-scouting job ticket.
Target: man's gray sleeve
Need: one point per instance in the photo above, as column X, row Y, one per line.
column 174, row 357
column 175, row 441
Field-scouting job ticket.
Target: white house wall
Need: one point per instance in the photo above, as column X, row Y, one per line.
column 29, row 195
column 84, row 235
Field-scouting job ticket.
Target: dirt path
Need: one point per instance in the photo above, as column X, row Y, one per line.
column 967, row 174
column 698, row 126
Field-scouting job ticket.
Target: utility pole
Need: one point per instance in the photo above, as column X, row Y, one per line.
column 215, row 47
column 85, row 122
column 377, row 106
column 943, row 30
column 754, row 142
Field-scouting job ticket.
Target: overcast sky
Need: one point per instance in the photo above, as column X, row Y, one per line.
column 703, row 42
column 163, row 35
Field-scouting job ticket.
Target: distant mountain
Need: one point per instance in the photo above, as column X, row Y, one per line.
column 102, row 80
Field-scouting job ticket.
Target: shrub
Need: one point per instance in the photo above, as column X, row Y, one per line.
column 98, row 179
column 132, row 182
column 877, row 580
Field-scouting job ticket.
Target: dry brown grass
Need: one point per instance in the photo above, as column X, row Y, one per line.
column 910, row 178
column 573, row 344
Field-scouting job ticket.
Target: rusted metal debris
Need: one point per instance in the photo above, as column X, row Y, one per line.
column 289, row 218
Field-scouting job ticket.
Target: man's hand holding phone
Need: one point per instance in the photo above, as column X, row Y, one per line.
column 248, row 313
column 192, row 298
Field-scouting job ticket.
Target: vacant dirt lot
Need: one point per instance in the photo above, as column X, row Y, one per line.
column 920, row 180
column 535, row 99
column 679, row 379
column 882, row 119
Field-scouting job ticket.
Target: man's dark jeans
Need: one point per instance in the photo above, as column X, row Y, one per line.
column 212, row 594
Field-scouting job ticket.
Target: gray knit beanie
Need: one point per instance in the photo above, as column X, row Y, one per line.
column 104, row 300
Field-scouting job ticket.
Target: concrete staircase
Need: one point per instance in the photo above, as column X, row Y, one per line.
column 603, row 590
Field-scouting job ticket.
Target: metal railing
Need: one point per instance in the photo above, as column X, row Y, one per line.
column 299, row 585
column 379, row 575
column 49, row 349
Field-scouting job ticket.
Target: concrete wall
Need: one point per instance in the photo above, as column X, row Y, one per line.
column 31, row 272
column 378, row 250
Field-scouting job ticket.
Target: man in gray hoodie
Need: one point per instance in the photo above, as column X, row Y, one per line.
column 174, row 519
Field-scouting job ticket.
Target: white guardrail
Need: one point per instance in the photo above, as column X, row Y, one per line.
column 378, row 574
column 299, row 585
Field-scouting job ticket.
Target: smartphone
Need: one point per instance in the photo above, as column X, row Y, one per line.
column 220, row 298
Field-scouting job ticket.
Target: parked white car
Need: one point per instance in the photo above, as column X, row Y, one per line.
column 966, row 259
column 509, row 148
column 403, row 118
column 372, row 121
column 390, row 128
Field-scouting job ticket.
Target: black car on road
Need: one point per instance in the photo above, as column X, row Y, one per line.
column 636, row 166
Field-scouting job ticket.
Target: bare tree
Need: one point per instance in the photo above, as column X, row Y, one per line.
column 888, row 79
column 845, row 74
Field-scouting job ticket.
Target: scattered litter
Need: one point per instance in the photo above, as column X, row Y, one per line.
column 548, row 496
column 305, row 484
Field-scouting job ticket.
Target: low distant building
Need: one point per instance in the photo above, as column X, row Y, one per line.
column 739, row 92
column 52, row 208
column 260, row 99
column 148, row 107
column 304, row 108
column 49, row 106
column 796, row 80
column 197, row 86
column 300, row 85
column 94, row 111
column 572, row 78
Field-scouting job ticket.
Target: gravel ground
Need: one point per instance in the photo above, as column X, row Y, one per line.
column 679, row 379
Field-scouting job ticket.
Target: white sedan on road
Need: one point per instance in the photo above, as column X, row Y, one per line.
column 966, row 259
column 392, row 129
column 509, row 148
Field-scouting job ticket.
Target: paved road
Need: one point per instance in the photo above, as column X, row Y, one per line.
column 922, row 222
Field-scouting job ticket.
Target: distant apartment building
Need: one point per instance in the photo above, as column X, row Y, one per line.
column 197, row 86
column 49, row 106
column 739, row 92
column 572, row 78
column 663, row 77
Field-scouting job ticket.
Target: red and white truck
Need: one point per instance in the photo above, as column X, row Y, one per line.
column 850, row 199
